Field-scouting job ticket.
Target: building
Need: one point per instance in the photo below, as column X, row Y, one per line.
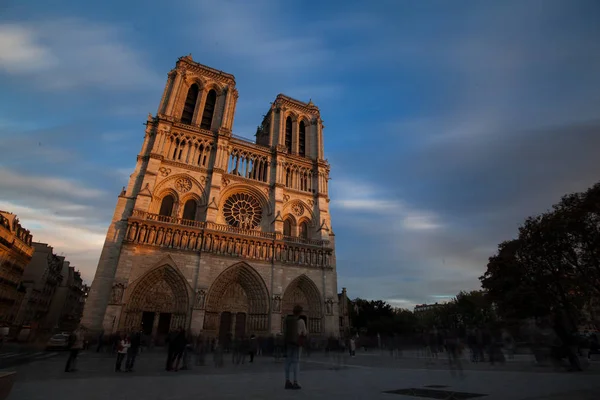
column 421, row 309
column 15, row 253
column 344, row 312
column 215, row 233
column 41, row 278
column 66, row 307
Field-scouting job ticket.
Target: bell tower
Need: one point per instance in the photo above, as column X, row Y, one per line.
column 215, row 233
column 293, row 127
column 199, row 96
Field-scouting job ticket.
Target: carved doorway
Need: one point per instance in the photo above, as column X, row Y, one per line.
column 147, row 322
column 302, row 291
column 240, row 325
column 225, row 328
column 158, row 304
column 240, row 292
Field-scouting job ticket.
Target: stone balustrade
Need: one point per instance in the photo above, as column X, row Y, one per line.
column 169, row 232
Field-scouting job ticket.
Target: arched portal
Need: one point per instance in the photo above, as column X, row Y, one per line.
column 237, row 304
column 302, row 291
column 159, row 303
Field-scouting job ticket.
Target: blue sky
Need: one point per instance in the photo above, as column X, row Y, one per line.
column 447, row 123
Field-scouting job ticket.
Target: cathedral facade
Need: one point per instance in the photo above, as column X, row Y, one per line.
column 215, row 233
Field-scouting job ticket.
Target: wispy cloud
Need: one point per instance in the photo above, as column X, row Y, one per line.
column 73, row 238
column 9, row 180
column 360, row 197
column 258, row 33
column 72, row 53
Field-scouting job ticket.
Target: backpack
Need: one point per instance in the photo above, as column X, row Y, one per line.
column 291, row 330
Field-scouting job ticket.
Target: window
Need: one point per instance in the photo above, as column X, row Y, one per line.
column 304, row 230
column 190, row 105
column 166, row 206
column 189, row 210
column 209, row 109
column 302, row 139
column 288, row 135
column 287, row 227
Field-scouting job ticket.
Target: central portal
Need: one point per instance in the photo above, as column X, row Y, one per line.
column 237, row 304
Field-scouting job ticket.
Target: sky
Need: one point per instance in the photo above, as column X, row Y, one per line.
column 446, row 123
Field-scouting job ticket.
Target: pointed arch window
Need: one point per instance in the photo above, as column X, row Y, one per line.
column 190, row 104
column 209, row 109
column 166, row 206
column 189, row 210
column 302, row 139
column 288, row 134
column 304, row 230
column 287, row 227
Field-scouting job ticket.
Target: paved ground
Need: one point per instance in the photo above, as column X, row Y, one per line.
column 366, row 376
column 12, row 355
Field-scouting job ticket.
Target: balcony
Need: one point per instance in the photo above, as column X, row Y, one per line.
column 176, row 233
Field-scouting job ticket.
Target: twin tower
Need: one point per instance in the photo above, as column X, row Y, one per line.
column 217, row 234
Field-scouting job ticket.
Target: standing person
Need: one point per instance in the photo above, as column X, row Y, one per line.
column 179, row 344
column 124, row 345
column 253, row 347
column 132, row 352
column 75, row 346
column 294, row 334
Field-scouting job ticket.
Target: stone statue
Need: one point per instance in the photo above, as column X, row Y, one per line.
column 329, row 306
column 276, row 303
column 117, row 294
column 200, row 296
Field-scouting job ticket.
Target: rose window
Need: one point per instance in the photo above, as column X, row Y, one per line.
column 242, row 210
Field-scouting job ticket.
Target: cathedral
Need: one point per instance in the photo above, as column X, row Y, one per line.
column 215, row 233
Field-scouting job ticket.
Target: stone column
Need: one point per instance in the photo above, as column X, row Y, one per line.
column 174, row 93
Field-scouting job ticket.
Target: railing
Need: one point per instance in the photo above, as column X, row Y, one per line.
column 143, row 215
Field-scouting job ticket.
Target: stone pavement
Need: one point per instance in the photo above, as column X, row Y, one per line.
column 366, row 376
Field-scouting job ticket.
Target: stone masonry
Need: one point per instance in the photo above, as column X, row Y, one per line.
column 215, row 233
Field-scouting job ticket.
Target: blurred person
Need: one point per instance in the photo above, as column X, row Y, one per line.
column 122, row 349
column 253, row 347
column 75, row 346
column 295, row 333
column 133, row 351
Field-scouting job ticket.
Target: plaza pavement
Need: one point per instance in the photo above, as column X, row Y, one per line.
column 365, row 376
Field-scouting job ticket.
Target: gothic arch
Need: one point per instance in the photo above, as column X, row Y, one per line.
column 157, row 200
column 303, row 291
column 238, row 289
column 167, row 186
column 307, row 213
column 214, row 86
column 162, row 289
column 241, row 188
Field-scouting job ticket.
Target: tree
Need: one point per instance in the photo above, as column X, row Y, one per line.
column 553, row 265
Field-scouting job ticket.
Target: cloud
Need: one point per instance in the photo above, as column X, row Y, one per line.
column 72, row 53
column 10, row 180
column 71, row 237
column 358, row 197
column 67, row 215
column 258, row 33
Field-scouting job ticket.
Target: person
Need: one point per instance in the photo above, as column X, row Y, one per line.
column 352, row 347
column 294, row 335
column 179, row 345
column 75, row 346
column 124, row 345
column 132, row 352
column 253, row 347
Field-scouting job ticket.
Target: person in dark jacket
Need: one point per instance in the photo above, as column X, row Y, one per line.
column 132, row 352
column 179, row 343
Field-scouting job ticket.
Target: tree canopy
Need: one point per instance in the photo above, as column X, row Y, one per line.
column 553, row 264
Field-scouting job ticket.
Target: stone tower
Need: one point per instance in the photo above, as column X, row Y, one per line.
column 215, row 233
